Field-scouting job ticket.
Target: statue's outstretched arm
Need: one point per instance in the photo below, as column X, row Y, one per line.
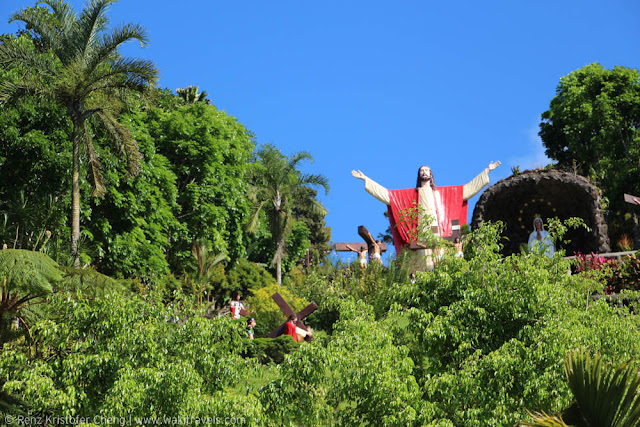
column 372, row 187
column 479, row 182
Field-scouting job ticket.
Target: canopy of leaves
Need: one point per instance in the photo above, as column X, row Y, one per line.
column 593, row 127
column 209, row 152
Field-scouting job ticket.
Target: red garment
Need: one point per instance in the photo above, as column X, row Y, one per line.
column 449, row 205
column 290, row 329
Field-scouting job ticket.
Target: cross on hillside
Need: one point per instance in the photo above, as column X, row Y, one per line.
column 288, row 312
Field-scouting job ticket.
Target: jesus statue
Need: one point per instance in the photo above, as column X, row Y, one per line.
column 440, row 204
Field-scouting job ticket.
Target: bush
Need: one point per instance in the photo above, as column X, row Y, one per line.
column 268, row 350
column 246, row 275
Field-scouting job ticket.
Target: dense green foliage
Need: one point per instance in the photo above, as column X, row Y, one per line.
column 475, row 342
column 592, row 127
column 119, row 356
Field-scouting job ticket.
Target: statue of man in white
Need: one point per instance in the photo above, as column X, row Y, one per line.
column 442, row 204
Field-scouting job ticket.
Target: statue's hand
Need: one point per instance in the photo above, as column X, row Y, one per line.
column 493, row 165
column 358, row 174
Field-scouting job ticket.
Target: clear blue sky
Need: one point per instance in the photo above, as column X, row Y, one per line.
column 383, row 87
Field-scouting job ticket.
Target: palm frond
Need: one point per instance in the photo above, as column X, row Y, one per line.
column 123, row 141
column 124, row 74
column 191, row 94
column 42, row 24
column 606, row 397
column 63, row 13
column 93, row 21
column 11, row 91
column 106, row 49
column 315, row 180
column 254, row 219
column 542, row 419
column 298, row 157
column 97, row 181
column 17, row 54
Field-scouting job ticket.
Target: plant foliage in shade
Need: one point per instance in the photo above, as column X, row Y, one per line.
column 26, row 277
column 606, row 396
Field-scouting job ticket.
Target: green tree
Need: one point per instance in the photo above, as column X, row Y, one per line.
column 307, row 209
column 83, row 71
column 209, row 152
column 119, row 356
column 490, row 334
column 276, row 181
column 34, row 162
column 592, row 127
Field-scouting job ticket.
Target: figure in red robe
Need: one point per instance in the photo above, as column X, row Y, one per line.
column 290, row 327
column 441, row 204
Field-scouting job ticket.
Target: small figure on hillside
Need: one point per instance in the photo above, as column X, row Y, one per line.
column 251, row 323
column 290, row 327
column 457, row 246
column 362, row 255
column 539, row 240
column 376, row 256
column 412, row 278
column 236, row 306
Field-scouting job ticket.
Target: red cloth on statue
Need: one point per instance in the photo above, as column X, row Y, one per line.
column 449, row 206
column 290, row 329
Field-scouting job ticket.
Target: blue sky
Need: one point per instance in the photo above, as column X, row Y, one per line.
column 383, row 87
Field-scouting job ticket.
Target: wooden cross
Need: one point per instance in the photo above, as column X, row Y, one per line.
column 288, row 312
column 369, row 243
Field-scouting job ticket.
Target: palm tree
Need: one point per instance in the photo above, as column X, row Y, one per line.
column 207, row 260
column 191, row 94
column 275, row 182
column 83, row 71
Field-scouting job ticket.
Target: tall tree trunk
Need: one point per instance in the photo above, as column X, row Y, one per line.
column 279, row 271
column 75, row 192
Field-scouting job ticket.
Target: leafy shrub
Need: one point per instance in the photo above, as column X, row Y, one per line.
column 491, row 333
column 360, row 378
column 246, row 275
column 268, row 350
column 122, row 355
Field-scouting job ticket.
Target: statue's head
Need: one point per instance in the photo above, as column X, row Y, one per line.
column 425, row 176
column 538, row 225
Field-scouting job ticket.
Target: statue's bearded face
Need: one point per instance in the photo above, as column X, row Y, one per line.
column 425, row 173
